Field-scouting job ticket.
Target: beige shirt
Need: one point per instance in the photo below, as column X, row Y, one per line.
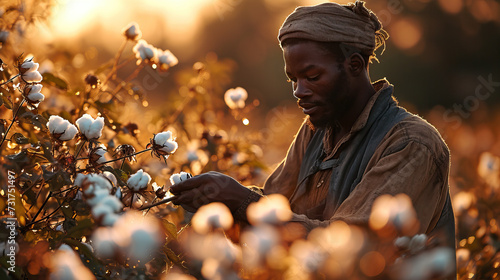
column 425, row 176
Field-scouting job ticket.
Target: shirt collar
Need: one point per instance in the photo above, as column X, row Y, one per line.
column 360, row 123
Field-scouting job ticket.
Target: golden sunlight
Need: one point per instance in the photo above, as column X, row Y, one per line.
column 179, row 18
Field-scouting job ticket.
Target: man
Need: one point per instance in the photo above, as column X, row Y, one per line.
column 356, row 143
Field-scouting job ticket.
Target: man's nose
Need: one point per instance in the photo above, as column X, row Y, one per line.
column 300, row 90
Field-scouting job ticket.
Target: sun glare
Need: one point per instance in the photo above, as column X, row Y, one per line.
column 179, row 18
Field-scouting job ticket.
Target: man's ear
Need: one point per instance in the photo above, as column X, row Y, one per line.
column 356, row 64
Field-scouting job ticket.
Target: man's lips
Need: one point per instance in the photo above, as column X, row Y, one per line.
column 308, row 108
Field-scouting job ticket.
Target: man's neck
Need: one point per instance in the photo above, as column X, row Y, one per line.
column 364, row 92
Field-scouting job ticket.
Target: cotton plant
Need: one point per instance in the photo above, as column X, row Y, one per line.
column 29, row 88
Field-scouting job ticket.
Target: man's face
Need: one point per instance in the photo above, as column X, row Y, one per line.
column 319, row 82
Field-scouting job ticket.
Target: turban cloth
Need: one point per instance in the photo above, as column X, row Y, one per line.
column 351, row 24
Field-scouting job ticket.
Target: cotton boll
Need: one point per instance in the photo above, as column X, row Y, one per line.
column 417, row 243
column 36, row 97
column 260, row 240
column 309, row 256
column 95, row 129
column 139, row 180
column 69, row 133
column 235, row 97
column 138, row 236
column 393, row 212
column 103, row 242
column 179, row 177
column 163, row 144
column 438, row 263
column 144, row 51
column 79, row 179
column 272, row 209
column 29, row 66
column 92, row 183
column 111, row 177
column 212, row 216
column 56, row 124
column 402, row 242
column 132, row 31
column 65, row 264
column 97, row 196
column 89, row 127
column 32, row 77
column 105, row 210
column 166, row 59
column 96, row 155
column 84, row 123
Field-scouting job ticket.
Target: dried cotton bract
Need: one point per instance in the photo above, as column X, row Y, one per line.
column 132, row 31
column 271, row 209
column 61, row 129
column 212, row 216
column 89, row 127
column 235, row 98
column 139, row 180
column 96, row 155
column 29, row 71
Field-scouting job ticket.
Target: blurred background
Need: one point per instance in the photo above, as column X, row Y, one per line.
column 442, row 54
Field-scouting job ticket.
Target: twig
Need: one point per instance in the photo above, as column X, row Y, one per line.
column 157, row 203
column 43, row 205
column 46, row 217
column 10, row 80
column 114, row 68
column 13, row 120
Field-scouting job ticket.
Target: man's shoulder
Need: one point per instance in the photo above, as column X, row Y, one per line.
column 415, row 129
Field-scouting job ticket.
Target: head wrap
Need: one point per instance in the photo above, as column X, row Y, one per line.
column 352, row 24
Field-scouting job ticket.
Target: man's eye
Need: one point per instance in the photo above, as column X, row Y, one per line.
column 313, row 78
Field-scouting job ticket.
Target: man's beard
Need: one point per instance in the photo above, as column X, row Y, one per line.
column 339, row 109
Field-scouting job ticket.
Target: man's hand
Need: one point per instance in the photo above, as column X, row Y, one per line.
column 209, row 187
